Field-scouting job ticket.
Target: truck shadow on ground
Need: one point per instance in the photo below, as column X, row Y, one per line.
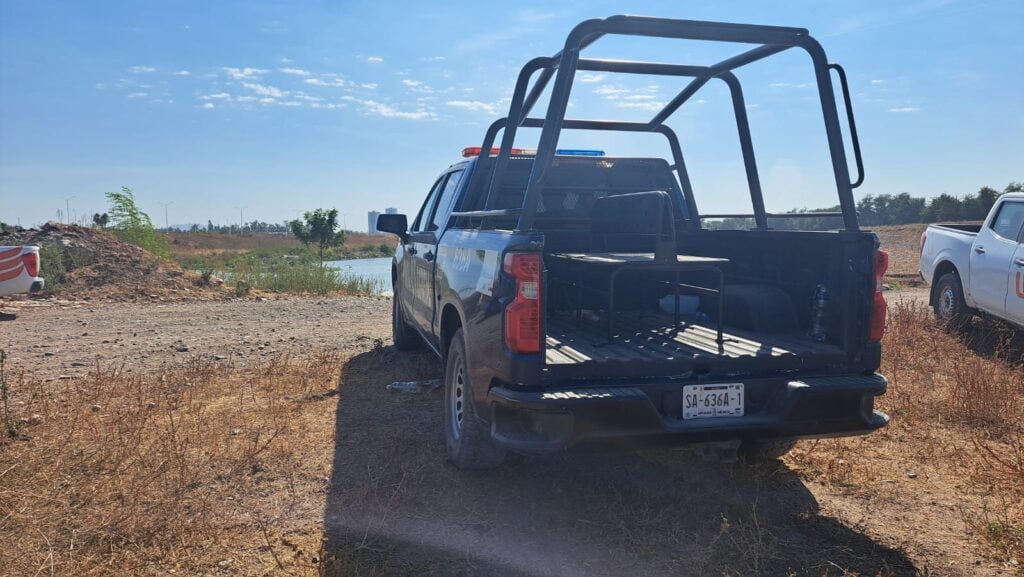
column 993, row 338
column 396, row 507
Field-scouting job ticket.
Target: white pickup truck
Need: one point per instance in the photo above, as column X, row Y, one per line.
column 19, row 270
column 978, row 268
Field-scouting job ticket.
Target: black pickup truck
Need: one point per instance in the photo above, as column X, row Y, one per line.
column 575, row 297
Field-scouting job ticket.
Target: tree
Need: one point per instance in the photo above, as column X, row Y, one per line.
column 132, row 225
column 320, row 228
column 100, row 220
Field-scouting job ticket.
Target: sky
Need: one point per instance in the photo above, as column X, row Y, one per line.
column 264, row 110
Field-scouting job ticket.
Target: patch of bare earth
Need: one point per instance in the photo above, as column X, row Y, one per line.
column 294, row 459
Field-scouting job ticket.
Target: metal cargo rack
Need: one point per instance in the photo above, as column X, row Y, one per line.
column 768, row 41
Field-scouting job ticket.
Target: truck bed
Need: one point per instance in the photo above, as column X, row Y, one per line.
column 648, row 337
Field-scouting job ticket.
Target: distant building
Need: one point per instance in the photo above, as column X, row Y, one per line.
column 390, row 211
column 371, row 221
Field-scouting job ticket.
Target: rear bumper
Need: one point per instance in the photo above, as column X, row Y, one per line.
column 544, row 421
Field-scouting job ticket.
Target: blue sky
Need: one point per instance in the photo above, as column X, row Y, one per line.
column 282, row 107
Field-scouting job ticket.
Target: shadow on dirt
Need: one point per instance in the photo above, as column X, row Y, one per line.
column 397, row 507
column 994, row 339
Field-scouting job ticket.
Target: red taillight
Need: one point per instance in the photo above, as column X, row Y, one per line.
column 522, row 315
column 31, row 260
column 878, row 305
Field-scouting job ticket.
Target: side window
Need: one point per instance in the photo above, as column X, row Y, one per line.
column 428, row 206
column 444, row 206
column 1007, row 222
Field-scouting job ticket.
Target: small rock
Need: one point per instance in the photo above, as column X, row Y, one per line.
column 219, row 357
column 180, row 346
column 912, row 475
column 95, row 408
column 236, row 432
column 49, row 354
column 78, row 364
column 63, row 377
column 150, row 405
column 33, row 420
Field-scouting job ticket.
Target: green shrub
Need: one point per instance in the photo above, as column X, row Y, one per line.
column 52, row 267
column 133, row 226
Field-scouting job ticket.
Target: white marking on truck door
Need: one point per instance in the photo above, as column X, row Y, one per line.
column 486, row 279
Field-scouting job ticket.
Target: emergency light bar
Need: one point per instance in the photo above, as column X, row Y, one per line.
column 471, row 151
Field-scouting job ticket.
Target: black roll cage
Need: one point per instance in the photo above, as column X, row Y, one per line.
column 564, row 65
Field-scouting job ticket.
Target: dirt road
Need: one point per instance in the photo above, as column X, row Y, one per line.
column 391, row 504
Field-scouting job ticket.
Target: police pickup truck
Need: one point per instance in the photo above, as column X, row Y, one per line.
column 576, row 297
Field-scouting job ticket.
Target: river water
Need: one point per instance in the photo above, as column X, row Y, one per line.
column 377, row 269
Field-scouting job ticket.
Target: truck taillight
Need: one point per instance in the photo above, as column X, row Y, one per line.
column 31, row 260
column 522, row 315
column 920, row 249
column 878, row 305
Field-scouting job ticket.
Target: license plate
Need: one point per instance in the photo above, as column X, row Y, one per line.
column 708, row 401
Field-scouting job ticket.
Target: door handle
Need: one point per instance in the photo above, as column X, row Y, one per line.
column 411, row 250
column 1018, row 261
column 429, row 257
column 979, row 249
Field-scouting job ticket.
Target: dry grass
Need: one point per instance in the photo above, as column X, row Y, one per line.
column 141, row 475
column 957, row 421
column 216, row 469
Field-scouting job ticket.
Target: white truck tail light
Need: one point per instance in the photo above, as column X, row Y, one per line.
column 31, row 261
column 522, row 315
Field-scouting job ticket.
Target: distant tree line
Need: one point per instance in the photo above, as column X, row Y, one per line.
column 254, row 227
column 886, row 209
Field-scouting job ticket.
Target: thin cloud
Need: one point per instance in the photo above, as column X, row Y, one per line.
column 904, row 109
column 369, row 85
column 217, row 96
column 388, row 111
column 265, row 90
column 181, row 73
column 374, row 59
column 295, row 71
column 141, row 69
column 473, row 105
column 245, row 73
column 650, row 105
column 416, row 85
column 327, row 82
column 432, row 59
column 137, row 95
column 207, row 105
column 591, row 78
column 878, row 81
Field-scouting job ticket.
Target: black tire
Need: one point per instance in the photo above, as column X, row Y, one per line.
column 405, row 337
column 467, row 436
column 950, row 306
column 763, row 450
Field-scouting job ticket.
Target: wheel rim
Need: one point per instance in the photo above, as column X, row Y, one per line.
column 947, row 303
column 457, row 398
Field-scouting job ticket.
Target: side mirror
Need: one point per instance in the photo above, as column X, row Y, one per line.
column 395, row 224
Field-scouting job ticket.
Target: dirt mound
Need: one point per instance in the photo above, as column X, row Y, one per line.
column 96, row 265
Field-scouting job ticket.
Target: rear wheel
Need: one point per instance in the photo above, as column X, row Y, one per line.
column 950, row 306
column 402, row 334
column 467, row 436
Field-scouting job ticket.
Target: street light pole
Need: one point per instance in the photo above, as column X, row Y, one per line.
column 67, row 208
column 167, row 227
